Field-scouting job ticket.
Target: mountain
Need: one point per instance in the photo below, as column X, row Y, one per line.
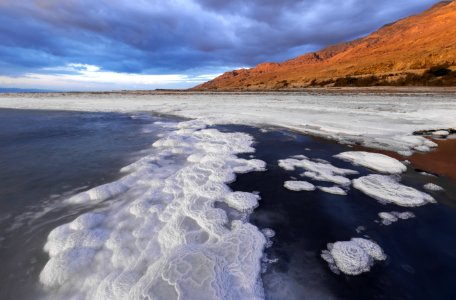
column 418, row 50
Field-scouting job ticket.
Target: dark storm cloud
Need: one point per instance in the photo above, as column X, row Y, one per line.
column 180, row 36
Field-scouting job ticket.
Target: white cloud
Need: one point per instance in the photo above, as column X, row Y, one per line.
column 76, row 76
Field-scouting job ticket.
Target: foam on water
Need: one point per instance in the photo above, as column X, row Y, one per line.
column 387, row 189
column 158, row 234
column 352, row 257
column 375, row 161
column 297, row 186
column 320, row 171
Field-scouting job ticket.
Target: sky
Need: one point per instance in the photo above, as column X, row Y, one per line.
column 75, row 45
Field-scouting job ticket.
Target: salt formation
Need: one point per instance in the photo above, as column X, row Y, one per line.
column 388, row 218
column 333, row 190
column 440, row 133
column 158, row 234
column 299, row 186
column 427, row 174
column 387, row 189
column 375, row 161
column 433, row 187
column 375, row 121
column 352, row 257
column 318, row 170
column 269, row 234
column 242, row 201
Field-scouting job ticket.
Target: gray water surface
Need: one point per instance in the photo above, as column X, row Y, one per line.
column 45, row 156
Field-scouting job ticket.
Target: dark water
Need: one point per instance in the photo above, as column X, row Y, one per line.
column 421, row 252
column 45, row 156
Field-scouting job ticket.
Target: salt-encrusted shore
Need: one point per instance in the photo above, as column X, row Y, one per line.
column 189, row 230
column 161, row 236
column 381, row 121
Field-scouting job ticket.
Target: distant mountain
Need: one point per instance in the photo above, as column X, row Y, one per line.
column 16, row 90
column 418, row 50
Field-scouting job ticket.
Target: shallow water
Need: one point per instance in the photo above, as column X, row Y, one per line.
column 421, row 260
column 441, row 160
column 47, row 156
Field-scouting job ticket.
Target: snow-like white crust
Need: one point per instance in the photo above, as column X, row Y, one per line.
column 297, row 186
column 319, row 171
column 352, row 257
column 333, row 190
column 158, row 234
column 387, row 189
column 387, row 218
column 373, row 120
column 433, row 187
column 440, row 133
column 375, row 161
column 242, row 201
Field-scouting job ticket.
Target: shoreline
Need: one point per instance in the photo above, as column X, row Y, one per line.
column 312, row 90
column 273, row 143
column 377, row 121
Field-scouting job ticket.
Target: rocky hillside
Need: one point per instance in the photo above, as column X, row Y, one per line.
column 418, row 50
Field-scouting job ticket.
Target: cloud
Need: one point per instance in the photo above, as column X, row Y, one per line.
column 76, row 77
column 190, row 37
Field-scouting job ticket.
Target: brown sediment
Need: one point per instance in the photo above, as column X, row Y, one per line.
column 440, row 160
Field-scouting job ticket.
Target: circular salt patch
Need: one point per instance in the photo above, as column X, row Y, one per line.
column 352, row 257
column 387, row 190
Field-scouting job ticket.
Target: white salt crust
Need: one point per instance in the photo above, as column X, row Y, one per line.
column 433, row 187
column 335, row 190
column 375, row 161
column 297, row 186
column 319, row 171
column 242, row 201
column 352, row 257
column 387, row 218
column 440, row 133
column 386, row 189
column 376, row 121
column 158, row 234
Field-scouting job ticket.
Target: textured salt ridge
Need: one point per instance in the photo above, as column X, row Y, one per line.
column 387, row 189
column 297, row 186
column 375, row 161
column 160, row 236
column 317, row 170
column 352, row 257
column 387, row 218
